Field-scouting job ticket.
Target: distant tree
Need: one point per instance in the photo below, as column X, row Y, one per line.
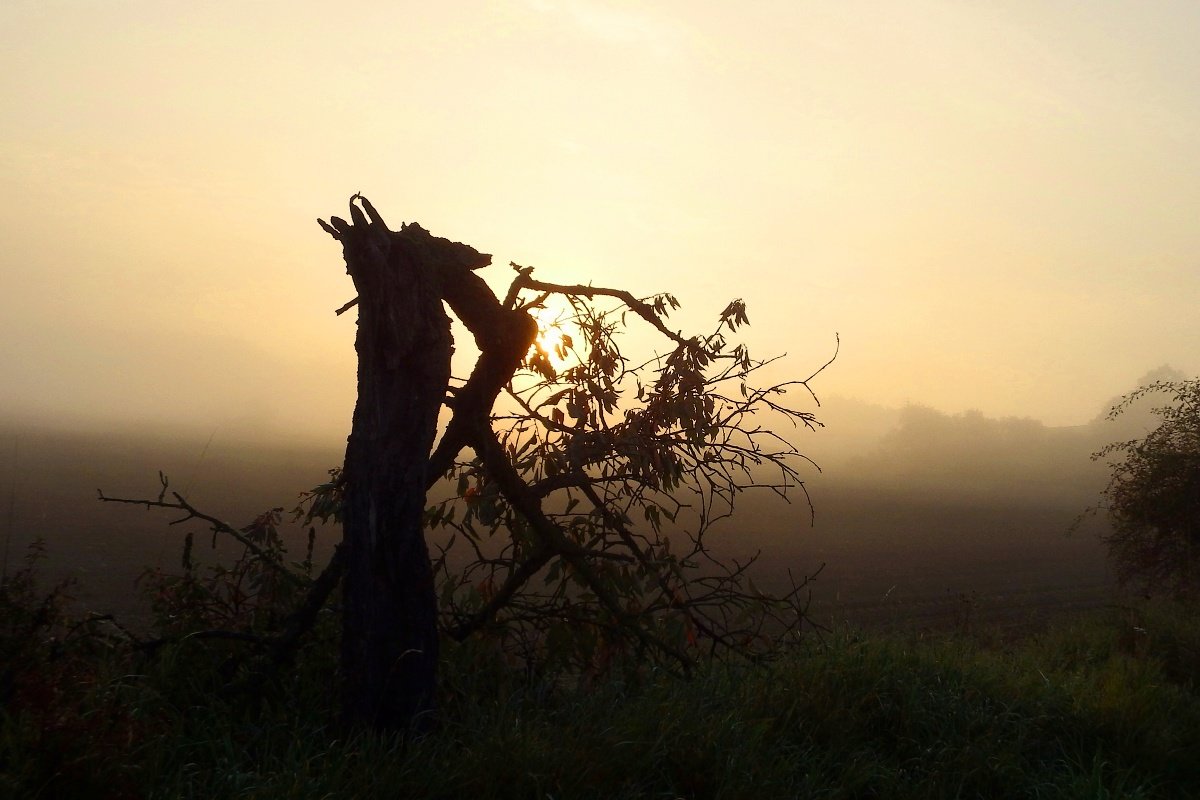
column 1153, row 495
column 575, row 531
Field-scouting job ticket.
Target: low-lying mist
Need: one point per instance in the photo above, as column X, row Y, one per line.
column 919, row 515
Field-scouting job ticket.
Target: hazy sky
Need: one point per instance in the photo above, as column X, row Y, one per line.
column 996, row 204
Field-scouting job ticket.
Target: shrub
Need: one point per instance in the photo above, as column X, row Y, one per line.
column 1153, row 496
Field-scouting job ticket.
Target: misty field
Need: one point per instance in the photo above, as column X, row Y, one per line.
column 963, row 646
column 302, row 498
column 893, row 553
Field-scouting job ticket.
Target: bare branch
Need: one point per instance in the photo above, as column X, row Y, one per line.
column 526, row 281
column 217, row 526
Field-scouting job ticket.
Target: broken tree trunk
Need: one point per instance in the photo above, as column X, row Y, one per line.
column 389, row 633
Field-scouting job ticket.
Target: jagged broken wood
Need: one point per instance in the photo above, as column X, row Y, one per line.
column 403, row 343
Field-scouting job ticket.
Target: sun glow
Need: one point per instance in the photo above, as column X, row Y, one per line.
column 557, row 336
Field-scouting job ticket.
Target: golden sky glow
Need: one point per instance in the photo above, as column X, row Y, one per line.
column 996, row 205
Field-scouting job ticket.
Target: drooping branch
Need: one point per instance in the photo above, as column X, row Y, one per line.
column 687, row 434
column 518, row 493
column 530, row 566
column 504, row 337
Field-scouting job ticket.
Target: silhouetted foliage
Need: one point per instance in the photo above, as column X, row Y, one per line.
column 30, row 622
column 69, row 735
column 631, row 462
column 571, row 538
column 1153, row 496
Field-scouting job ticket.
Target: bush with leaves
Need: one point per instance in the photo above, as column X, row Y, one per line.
column 62, row 727
column 250, row 594
column 261, row 600
column 1153, row 495
column 32, row 623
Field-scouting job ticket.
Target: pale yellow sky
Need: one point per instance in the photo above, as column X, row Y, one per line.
column 994, row 204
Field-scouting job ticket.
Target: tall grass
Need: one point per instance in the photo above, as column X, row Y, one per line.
column 1104, row 706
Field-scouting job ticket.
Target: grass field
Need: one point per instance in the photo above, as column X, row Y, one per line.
column 973, row 650
column 1102, row 704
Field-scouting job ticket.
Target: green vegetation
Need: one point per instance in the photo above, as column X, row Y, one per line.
column 1104, row 706
column 588, row 640
column 1153, row 496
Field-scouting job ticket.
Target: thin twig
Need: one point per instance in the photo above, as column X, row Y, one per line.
column 217, row 525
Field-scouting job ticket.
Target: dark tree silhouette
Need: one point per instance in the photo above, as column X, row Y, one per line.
column 1153, row 496
column 682, row 433
column 582, row 508
column 389, row 624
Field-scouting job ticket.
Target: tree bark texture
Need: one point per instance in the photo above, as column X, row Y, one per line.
column 389, row 632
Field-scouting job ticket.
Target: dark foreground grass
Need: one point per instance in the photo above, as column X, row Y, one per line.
column 1095, row 709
